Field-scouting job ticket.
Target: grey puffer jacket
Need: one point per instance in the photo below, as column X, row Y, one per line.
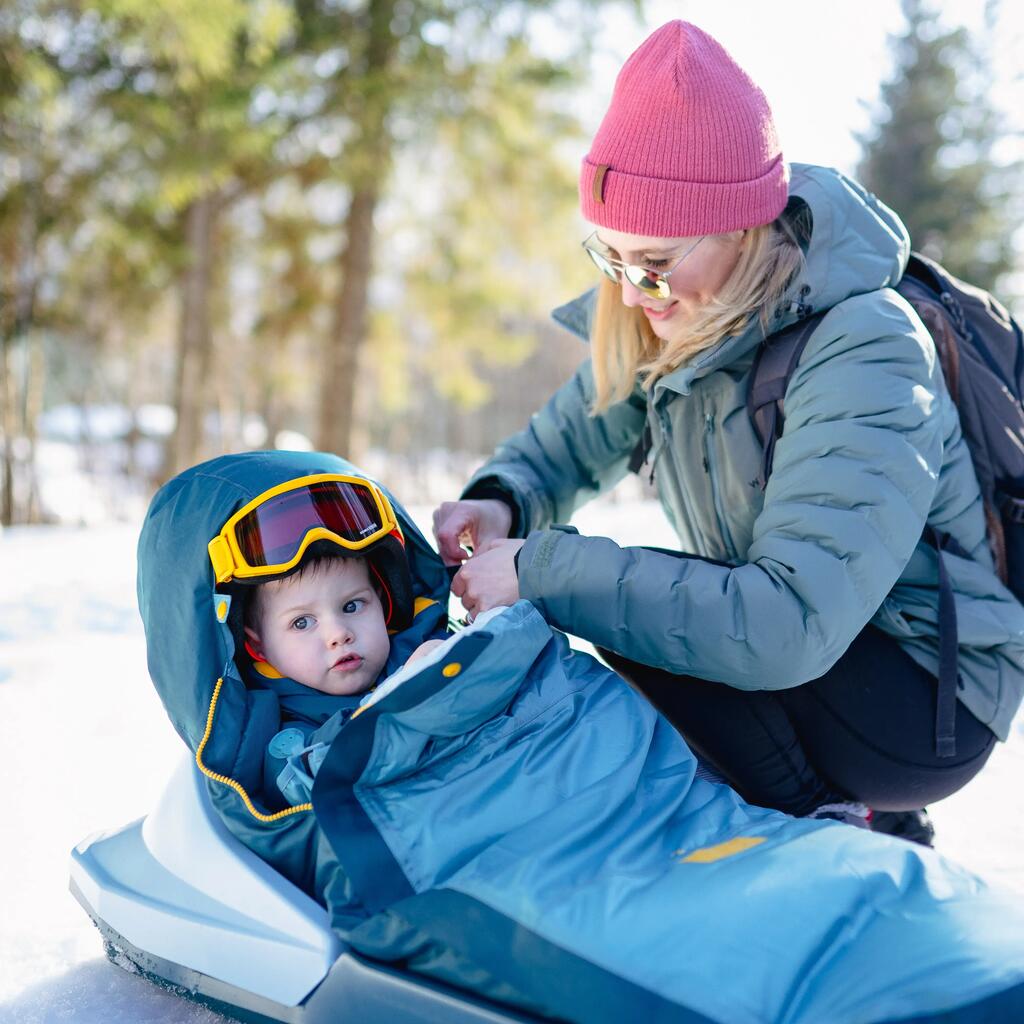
column 778, row 583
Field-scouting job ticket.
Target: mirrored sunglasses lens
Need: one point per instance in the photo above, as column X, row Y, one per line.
column 602, row 264
column 646, row 282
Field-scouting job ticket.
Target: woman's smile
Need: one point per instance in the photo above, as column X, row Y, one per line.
column 659, row 314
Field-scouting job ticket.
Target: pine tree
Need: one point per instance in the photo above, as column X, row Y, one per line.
column 930, row 156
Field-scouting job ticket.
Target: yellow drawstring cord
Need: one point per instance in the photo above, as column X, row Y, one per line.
column 236, row 786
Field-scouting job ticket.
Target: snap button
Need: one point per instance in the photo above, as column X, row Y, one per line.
column 286, row 743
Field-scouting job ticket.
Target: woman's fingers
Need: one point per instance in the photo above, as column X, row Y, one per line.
column 489, row 579
column 469, row 524
column 454, row 522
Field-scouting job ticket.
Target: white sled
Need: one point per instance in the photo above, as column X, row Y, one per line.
column 181, row 901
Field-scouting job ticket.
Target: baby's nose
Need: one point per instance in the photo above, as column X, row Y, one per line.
column 338, row 634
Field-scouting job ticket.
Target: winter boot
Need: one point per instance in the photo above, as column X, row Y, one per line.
column 914, row 826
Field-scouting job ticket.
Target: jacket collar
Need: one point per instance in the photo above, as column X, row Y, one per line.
column 577, row 315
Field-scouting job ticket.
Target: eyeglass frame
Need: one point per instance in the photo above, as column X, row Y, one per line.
column 661, row 288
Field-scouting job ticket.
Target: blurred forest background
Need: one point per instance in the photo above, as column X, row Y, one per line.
column 342, row 224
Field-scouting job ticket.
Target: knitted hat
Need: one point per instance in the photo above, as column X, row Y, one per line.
column 688, row 146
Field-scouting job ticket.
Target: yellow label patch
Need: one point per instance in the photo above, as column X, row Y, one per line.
column 720, row 851
column 222, row 611
column 453, row 668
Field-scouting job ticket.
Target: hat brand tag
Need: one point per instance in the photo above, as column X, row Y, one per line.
column 599, row 174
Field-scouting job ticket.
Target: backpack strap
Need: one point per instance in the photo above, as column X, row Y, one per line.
column 773, row 367
column 948, row 675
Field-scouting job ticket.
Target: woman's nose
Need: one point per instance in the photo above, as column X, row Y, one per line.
column 631, row 295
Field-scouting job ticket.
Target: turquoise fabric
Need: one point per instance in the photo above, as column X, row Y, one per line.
column 871, row 452
column 539, row 785
column 515, row 820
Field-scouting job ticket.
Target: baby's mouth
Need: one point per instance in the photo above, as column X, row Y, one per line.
column 347, row 663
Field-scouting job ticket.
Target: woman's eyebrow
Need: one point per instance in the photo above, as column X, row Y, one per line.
column 641, row 253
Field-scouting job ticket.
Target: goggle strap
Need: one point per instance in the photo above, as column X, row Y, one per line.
column 221, row 559
column 385, row 588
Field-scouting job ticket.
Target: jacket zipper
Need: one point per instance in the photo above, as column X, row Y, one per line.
column 710, row 467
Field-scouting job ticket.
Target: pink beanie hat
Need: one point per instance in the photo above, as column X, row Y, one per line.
column 688, row 146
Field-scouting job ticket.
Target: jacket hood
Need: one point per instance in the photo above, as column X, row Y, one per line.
column 856, row 245
column 189, row 639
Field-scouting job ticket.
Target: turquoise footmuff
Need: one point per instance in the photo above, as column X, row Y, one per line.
column 513, row 820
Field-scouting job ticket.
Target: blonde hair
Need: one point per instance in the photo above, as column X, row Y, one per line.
column 624, row 348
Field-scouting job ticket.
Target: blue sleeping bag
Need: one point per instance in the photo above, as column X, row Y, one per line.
column 515, row 820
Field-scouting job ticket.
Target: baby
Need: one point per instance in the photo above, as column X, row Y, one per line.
column 320, row 567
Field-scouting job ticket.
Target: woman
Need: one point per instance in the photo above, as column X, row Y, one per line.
column 793, row 639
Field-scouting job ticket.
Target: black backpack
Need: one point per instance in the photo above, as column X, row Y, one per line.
column 981, row 350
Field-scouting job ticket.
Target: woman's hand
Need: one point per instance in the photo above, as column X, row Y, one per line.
column 473, row 523
column 489, row 578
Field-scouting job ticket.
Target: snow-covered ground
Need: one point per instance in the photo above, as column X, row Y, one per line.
column 86, row 746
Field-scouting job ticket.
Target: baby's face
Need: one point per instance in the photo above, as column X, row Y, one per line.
column 325, row 629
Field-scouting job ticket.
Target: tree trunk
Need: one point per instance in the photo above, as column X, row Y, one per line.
column 35, row 373
column 194, row 354
column 17, row 316
column 8, row 427
column 368, row 166
column 338, row 379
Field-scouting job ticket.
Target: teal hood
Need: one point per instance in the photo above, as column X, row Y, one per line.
column 857, row 243
column 190, row 646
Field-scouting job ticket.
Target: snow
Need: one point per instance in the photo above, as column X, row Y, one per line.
column 87, row 747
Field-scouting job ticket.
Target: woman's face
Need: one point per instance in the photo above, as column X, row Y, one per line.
column 693, row 283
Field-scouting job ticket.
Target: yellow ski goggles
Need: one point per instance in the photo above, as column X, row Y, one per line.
column 269, row 535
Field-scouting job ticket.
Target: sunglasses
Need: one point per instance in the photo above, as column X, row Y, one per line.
column 270, row 534
column 651, row 282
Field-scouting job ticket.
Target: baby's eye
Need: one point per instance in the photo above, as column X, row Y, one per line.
column 655, row 264
column 301, row 623
column 351, row 607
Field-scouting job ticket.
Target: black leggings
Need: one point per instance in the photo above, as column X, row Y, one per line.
column 864, row 731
